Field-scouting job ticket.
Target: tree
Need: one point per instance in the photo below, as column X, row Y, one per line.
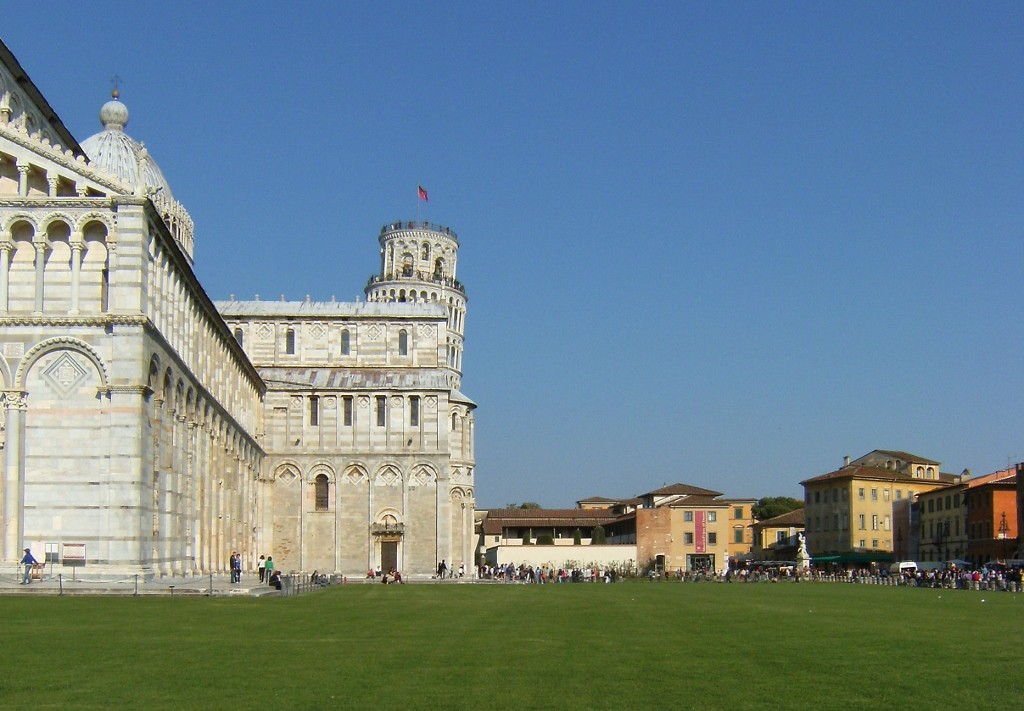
column 577, row 537
column 526, row 536
column 772, row 506
column 524, row 505
column 545, row 539
column 597, row 536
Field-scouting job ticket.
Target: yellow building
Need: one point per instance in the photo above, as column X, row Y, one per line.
column 849, row 512
column 777, row 538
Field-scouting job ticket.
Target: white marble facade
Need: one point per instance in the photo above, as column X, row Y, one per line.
column 136, row 423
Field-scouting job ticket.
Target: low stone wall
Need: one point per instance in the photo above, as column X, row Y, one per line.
column 566, row 557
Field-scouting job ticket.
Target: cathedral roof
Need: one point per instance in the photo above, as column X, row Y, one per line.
column 115, row 152
column 344, row 378
column 458, row 396
column 327, row 309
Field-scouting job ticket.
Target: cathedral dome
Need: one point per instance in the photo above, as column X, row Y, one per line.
column 116, row 153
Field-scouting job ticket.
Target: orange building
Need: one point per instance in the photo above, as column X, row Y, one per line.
column 992, row 519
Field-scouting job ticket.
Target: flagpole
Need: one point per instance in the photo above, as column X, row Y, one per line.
column 417, row 203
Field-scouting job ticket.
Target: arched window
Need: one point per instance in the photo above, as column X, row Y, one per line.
column 322, row 492
column 403, row 342
column 346, row 342
column 289, row 341
column 239, row 337
column 455, row 419
column 426, row 252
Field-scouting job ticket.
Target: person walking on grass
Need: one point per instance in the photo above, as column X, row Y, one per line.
column 28, row 561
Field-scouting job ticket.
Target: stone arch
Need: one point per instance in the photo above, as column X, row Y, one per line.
column 17, row 217
column 179, row 396
column 388, row 515
column 321, row 467
column 154, row 373
column 55, row 217
column 60, row 343
column 167, row 385
column 66, row 381
column 22, row 233
column 190, row 402
column 84, row 222
column 96, row 233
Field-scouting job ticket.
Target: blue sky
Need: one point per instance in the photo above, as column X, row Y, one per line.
column 723, row 244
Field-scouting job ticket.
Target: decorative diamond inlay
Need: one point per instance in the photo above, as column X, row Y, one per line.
column 64, row 374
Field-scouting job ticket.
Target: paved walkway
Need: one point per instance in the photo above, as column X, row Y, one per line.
column 68, row 583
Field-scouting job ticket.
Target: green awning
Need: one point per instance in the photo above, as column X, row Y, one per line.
column 867, row 557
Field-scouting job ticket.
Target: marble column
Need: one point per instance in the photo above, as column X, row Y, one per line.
column 6, row 247
column 40, row 244
column 14, row 474
column 76, row 269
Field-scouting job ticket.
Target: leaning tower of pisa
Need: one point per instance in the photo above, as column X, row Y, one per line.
column 418, row 263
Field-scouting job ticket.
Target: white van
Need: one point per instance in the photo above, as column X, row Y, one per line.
column 905, row 566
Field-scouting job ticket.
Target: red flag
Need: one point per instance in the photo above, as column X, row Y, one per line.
column 422, row 193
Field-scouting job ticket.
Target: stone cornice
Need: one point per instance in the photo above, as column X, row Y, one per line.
column 143, row 390
column 93, row 203
column 65, row 321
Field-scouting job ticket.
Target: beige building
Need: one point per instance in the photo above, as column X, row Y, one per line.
column 141, row 434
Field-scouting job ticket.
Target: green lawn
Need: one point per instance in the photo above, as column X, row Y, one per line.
column 627, row 645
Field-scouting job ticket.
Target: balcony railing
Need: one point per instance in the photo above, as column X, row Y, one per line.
column 387, row 529
column 417, row 275
column 419, row 225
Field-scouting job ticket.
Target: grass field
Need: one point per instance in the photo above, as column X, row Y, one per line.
column 628, row 645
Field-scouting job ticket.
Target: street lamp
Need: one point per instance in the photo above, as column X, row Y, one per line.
column 1003, row 530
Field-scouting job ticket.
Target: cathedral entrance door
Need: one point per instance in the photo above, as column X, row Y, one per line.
column 389, row 555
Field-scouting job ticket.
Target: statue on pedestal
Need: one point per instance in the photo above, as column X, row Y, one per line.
column 803, row 558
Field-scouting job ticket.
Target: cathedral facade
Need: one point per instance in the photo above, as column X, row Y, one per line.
column 147, row 429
